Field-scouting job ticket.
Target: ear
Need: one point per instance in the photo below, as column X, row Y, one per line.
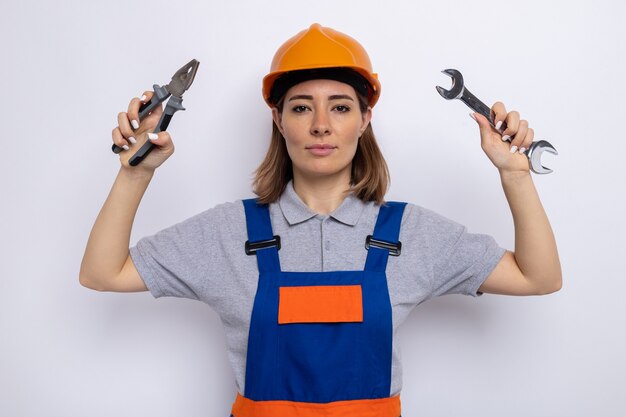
column 278, row 120
column 366, row 119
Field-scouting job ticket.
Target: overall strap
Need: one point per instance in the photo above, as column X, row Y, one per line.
column 261, row 240
column 386, row 234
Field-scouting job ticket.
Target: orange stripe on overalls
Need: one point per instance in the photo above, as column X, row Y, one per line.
column 320, row 304
column 244, row 407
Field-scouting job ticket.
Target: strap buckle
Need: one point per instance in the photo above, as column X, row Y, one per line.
column 252, row 247
column 393, row 248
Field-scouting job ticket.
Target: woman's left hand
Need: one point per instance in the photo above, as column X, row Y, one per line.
column 506, row 156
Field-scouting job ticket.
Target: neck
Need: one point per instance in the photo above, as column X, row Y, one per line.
column 322, row 195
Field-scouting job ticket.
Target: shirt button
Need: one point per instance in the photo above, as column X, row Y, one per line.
column 327, row 245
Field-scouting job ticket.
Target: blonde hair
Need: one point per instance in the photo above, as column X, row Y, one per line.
column 369, row 175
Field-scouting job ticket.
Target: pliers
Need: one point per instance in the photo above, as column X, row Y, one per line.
column 181, row 81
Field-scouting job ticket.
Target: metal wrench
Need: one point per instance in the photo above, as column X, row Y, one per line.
column 458, row 90
column 181, row 81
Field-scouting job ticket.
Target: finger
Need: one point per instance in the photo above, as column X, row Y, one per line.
column 133, row 108
column 498, row 114
column 512, row 126
column 124, row 126
column 520, row 136
column 483, row 124
column 162, row 139
column 119, row 140
column 530, row 135
column 146, row 96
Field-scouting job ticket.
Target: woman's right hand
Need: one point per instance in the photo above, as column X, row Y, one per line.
column 130, row 134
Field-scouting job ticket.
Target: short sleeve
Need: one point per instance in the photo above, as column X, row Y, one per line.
column 467, row 263
column 183, row 260
column 458, row 261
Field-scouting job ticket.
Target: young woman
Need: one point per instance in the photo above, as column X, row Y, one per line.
column 313, row 278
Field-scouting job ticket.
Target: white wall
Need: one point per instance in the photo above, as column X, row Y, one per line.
column 68, row 68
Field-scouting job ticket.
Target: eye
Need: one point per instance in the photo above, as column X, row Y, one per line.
column 342, row 109
column 299, row 109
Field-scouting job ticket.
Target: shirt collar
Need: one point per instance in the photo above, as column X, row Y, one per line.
column 295, row 211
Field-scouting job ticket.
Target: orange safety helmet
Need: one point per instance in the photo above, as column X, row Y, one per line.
column 319, row 48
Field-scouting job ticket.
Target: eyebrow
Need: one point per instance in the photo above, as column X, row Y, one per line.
column 333, row 97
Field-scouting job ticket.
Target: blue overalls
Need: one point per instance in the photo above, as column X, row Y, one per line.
column 320, row 343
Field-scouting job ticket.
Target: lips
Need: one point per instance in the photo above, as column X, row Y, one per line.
column 321, row 146
column 321, row 149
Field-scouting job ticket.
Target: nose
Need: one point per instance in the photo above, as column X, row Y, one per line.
column 320, row 125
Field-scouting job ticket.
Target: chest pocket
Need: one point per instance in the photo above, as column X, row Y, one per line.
column 320, row 304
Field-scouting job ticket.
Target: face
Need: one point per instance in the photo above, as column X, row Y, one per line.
column 321, row 122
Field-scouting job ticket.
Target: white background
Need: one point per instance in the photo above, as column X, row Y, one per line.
column 68, row 68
